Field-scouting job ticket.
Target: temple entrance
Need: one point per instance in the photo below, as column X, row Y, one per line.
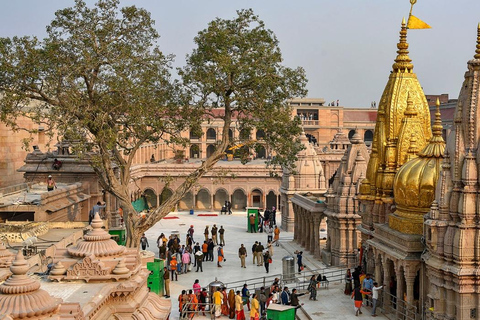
column 271, row 200
column 239, row 199
column 256, row 198
column 219, row 198
column 166, row 193
column 151, row 198
column 203, row 200
column 186, row 203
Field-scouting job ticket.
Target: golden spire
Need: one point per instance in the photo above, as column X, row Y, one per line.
column 437, row 124
column 477, row 52
column 403, row 61
column 436, row 147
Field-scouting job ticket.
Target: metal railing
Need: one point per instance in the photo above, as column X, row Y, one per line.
column 393, row 307
column 190, row 310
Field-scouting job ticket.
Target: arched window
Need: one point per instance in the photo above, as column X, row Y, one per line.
column 211, row 134
column 260, row 135
column 350, row 134
column 194, row 135
column 368, row 136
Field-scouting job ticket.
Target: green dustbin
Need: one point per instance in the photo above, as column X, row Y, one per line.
column 255, row 211
column 280, row 312
column 119, row 235
column 155, row 279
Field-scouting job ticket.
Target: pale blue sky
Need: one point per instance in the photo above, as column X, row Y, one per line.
column 347, row 47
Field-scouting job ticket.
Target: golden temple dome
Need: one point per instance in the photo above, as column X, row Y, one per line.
column 415, row 183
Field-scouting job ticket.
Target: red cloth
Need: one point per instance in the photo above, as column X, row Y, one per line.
column 240, row 315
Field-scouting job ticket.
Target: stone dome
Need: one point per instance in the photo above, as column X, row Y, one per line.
column 21, row 296
column 309, row 173
column 97, row 241
column 415, row 183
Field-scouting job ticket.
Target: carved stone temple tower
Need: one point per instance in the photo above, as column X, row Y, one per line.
column 398, row 189
column 342, row 209
column 452, row 229
column 308, row 177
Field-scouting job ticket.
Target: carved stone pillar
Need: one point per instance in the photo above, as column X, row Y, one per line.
column 212, row 202
column 313, row 235
column 451, row 302
column 400, row 291
column 378, row 269
column 386, row 282
column 303, row 228
column 316, row 237
column 295, row 227
column 309, row 230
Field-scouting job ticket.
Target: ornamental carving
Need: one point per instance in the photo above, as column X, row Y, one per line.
column 88, row 267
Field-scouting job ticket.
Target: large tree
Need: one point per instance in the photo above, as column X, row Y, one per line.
column 100, row 80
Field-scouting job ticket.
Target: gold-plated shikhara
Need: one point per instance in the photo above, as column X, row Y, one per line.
column 403, row 125
column 415, row 183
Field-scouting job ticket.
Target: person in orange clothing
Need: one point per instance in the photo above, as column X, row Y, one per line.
column 220, row 256
column 205, row 250
column 173, row 268
column 192, row 298
column 357, row 295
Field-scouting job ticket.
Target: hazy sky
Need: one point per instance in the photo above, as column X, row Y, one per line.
column 347, row 47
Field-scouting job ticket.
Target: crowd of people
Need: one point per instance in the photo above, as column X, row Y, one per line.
column 363, row 286
column 232, row 304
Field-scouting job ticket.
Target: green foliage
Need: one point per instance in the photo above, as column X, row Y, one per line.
column 236, row 68
column 98, row 79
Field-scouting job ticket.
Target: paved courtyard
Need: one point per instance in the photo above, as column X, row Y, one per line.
column 331, row 304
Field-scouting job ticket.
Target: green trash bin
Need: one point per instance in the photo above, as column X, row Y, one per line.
column 155, row 279
column 280, row 312
column 255, row 211
column 118, row 235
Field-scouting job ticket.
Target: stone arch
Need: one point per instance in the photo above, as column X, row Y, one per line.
column 261, row 152
column 194, row 135
column 165, row 194
column 211, row 134
column 150, row 197
column 219, row 198
column 260, row 134
column 194, row 151
column 210, row 150
column 368, row 136
column 256, row 198
column 244, row 134
column 334, row 120
column 203, row 199
column 239, row 199
column 350, row 134
column 186, row 203
column 271, row 199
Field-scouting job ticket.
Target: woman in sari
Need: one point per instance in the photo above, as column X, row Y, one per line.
column 231, row 304
column 254, row 308
column 225, row 308
column 239, row 306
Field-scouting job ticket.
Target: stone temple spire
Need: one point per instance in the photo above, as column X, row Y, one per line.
column 21, row 296
column 477, row 52
column 403, row 63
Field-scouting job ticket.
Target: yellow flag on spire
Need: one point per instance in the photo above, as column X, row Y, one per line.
column 415, row 23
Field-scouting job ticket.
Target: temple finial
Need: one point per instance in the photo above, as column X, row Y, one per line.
column 477, row 52
column 437, row 124
column 403, row 61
